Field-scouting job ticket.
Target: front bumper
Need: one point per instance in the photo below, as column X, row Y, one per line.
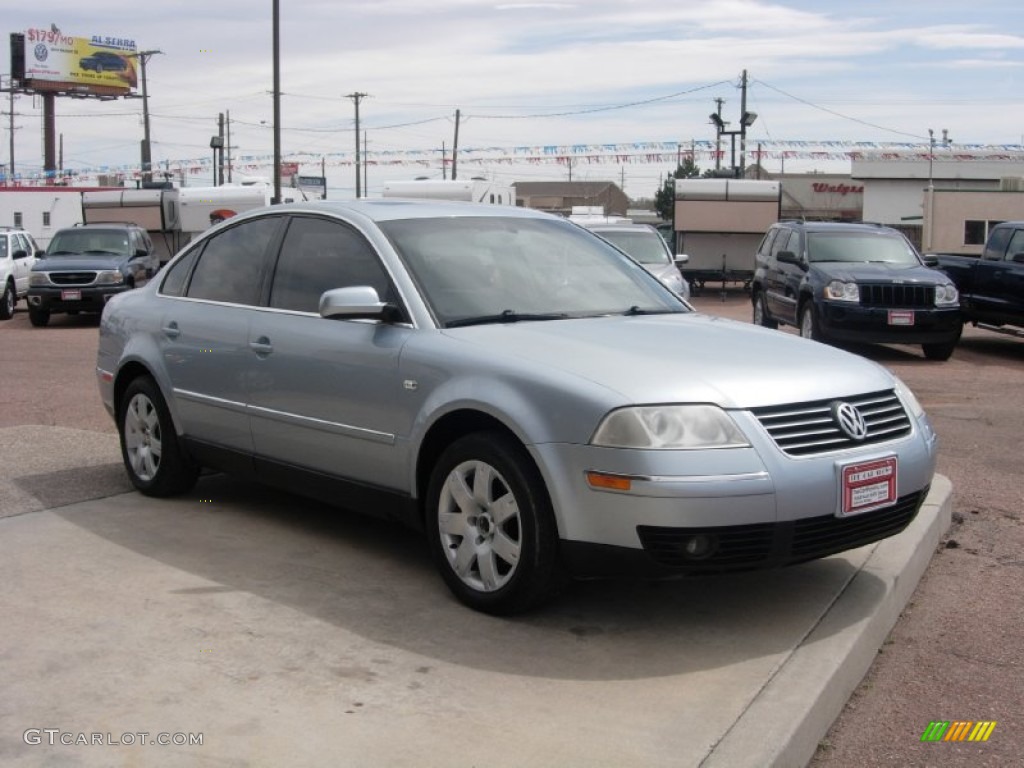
column 730, row 509
column 91, row 298
column 843, row 321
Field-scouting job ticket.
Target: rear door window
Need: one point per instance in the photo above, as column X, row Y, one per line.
column 231, row 266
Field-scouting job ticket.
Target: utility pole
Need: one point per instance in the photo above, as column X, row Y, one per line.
column 455, row 146
column 277, row 101
column 366, row 165
column 356, row 98
column 228, row 145
column 718, row 134
column 743, row 126
column 220, row 162
column 11, row 125
column 147, row 156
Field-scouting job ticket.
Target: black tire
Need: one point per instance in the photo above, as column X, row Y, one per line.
column 153, row 457
column 761, row 316
column 40, row 318
column 942, row 351
column 809, row 327
column 497, row 548
column 7, row 301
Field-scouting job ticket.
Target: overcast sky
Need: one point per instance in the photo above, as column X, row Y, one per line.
column 535, row 74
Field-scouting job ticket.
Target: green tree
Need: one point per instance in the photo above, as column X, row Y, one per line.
column 665, row 197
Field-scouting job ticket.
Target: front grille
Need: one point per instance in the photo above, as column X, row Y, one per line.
column 807, row 429
column 72, row 278
column 888, row 295
column 773, row 545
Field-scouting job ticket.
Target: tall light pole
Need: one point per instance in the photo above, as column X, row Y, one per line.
column 277, row 103
column 147, row 156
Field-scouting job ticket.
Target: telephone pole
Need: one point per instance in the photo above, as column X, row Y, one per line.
column 147, row 156
column 356, row 98
column 455, row 146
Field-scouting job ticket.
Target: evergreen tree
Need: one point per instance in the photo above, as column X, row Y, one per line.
column 665, row 197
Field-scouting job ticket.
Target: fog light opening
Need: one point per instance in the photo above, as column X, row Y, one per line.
column 700, row 546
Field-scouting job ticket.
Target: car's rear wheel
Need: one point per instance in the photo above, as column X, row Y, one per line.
column 7, row 301
column 38, row 317
column 490, row 525
column 761, row 312
column 942, row 351
column 809, row 327
column 156, row 464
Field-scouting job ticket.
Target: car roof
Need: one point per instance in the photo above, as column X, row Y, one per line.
column 623, row 227
column 839, row 226
column 393, row 209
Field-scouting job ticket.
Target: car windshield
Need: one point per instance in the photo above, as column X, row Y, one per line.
column 644, row 245
column 503, row 269
column 849, row 247
column 79, row 241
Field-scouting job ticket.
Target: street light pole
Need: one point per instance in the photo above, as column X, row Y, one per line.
column 277, row 102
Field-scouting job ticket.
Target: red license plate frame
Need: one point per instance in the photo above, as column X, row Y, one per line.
column 867, row 486
column 903, row 317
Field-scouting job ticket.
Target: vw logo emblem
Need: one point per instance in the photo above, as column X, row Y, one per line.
column 850, row 421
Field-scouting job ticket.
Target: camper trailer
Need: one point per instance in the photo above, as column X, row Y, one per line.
column 473, row 191
column 719, row 223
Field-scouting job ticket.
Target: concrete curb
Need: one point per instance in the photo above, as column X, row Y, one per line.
column 794, row 710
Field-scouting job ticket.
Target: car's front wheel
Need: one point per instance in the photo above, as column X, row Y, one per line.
column 809, row 327
column 7, row 301
column 38, row 317
column 490, row 525
column 156, row 464
column 942, row 351
column 761, row 316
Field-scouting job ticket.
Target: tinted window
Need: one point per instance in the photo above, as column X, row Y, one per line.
column 231, row 265
column 3, row 247
column 1016, row 244
column 786, row 240
column 997, row 242
column 318, row 255
column 174, row 281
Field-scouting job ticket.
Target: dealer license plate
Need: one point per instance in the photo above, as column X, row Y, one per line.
column 901, row 317
column 867, row 486
column 71, row 295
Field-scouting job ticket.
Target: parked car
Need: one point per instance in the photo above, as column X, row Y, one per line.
column 18, row 251
column 646, row 245
column 85, row 266
column 992, row 286
column 520, row 390
column 103, row 61
column 854, row 282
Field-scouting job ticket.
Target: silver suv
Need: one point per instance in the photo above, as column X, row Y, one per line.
column 18, row 251
column 531, row 398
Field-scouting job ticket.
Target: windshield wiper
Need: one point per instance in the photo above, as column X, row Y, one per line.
column 508, row 316
column 638, row 310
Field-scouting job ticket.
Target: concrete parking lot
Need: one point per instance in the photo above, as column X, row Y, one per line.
column 282, row 632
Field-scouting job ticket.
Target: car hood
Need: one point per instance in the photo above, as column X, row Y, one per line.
column 75, row 263
column 688, row 357
column 868, row 271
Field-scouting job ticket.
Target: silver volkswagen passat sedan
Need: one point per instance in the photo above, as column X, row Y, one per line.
column 533, row 400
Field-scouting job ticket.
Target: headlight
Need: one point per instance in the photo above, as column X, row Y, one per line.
column 669, row 427
column 946, row 295
column 109, row 277
column 38, row 278
column 840, row 291
column 904, row 393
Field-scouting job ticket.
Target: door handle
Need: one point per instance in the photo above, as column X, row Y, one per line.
column 261, row 346
column 171, row 330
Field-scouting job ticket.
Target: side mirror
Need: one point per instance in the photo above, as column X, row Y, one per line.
column 141, row 253
column 1018, row 258
column 681, row 258
column 788, row 257
column 40, row 253
column 930, row 260
column 353, row 303
column 21, row 253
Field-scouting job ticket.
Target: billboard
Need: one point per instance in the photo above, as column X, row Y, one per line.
column 53, row 61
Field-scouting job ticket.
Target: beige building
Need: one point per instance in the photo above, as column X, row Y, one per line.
column 561, row 196
column 958, row 221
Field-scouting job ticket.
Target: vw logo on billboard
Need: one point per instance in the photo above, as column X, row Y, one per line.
column 850, row 421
